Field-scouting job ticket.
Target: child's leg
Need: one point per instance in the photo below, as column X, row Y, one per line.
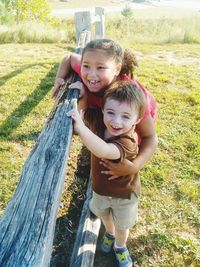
column 121, row 237
column 120, row 249
column 100, row 206
column 108, row 239
column 124, row 217
column 107, row 220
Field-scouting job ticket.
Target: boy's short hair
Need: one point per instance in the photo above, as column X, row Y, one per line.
column 128, row 92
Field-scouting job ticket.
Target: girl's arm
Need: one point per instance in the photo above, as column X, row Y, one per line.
column 149, row 141
column 67, row 63
column 95, row 144
column 146, row 131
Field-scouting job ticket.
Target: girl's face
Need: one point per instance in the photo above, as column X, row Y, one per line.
column 119, row 117
column 98, row 70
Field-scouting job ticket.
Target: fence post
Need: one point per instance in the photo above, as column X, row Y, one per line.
column 100, row 21
column 82, row 23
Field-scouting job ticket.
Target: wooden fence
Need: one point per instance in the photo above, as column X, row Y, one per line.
column 28, row 223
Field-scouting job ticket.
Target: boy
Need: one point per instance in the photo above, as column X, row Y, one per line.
column 114, row 201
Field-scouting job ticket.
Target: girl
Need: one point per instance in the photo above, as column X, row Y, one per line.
column 103, row 62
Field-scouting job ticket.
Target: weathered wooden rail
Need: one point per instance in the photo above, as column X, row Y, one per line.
column 86, row 237
column 27, row 227
column 28, row 223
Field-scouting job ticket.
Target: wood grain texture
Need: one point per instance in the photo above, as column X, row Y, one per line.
column 86, row 237
column 28, row 224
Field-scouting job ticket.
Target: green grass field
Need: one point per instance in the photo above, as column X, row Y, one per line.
column 167, row 233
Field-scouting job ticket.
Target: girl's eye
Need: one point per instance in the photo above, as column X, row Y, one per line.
column 85, row 66
column 101, row 67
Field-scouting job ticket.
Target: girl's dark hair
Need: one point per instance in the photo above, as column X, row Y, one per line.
column 115, row 51
column 128, row 92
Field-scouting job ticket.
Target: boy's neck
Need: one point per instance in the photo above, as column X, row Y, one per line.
column 107, row 134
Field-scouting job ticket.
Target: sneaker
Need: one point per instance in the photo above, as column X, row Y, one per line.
column 107, row 243
column 123, row 257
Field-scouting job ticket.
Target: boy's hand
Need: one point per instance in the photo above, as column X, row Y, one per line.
column 58, row 82
column 80, row 86
column 76, row 116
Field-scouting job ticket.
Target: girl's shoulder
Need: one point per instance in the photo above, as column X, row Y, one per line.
column 76, row 63
column 151, row 108
column 145, row 90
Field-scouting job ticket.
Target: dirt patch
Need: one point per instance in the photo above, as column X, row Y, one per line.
column 173, row 58
column 169, row 57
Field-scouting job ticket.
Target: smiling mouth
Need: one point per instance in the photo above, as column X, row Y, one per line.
column 93, row 82
column 116, row 128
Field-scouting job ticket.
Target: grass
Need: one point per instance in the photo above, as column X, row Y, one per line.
column 154, row 31
column 167, row 232
column 138, row 30
column 38, row 33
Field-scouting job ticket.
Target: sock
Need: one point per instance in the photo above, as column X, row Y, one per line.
column 118, row 247
column 111, row 235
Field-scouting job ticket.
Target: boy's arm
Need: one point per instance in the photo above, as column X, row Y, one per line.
column 95, row 144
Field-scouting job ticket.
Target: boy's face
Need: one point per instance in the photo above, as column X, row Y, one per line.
column 119, row 117
column 98, row 70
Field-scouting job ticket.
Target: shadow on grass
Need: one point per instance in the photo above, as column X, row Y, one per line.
column 29, row 103
column 32, row 136
column 14, row 73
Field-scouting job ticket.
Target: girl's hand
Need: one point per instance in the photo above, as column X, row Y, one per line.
column 58, row 82
column 115, row 170
column 80, row 86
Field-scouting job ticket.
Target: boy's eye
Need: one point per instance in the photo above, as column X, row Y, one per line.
column 110, row 113
column 126, row 117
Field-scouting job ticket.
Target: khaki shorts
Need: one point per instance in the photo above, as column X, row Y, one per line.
column 124, row 211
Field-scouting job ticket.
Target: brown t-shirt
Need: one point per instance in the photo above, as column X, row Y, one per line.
column 123, row 186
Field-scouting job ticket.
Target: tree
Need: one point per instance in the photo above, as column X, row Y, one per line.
column 5, row 16
column 29, row 9
column 127, row 12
